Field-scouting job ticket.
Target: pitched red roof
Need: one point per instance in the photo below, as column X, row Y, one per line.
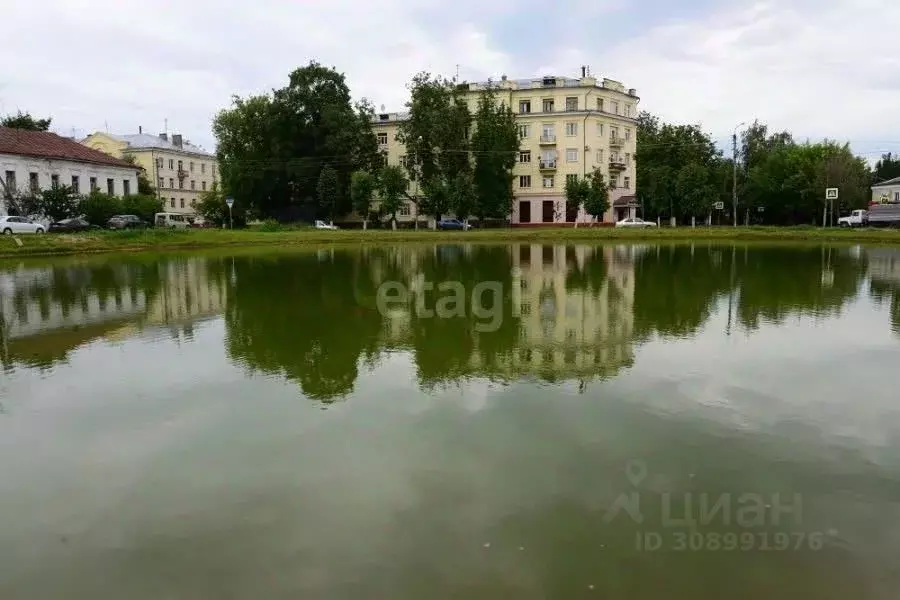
column 43, row 144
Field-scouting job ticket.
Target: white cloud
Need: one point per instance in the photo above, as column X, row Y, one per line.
column 822, row 69
column 816, row 68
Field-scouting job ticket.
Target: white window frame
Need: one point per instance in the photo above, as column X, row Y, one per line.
column 524, row 131
column 525, row 179
column 599, row 129
column 526, row 103
column 544, row 181
column 571, row 155
column 524, row 156
column 571, row 129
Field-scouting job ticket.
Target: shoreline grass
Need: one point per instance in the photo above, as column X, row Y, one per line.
column 170, row 240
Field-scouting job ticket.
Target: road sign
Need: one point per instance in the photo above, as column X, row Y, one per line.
column 831, row 194
column 229, row 202
column 719, row 205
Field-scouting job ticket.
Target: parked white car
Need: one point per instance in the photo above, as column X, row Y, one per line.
column 324, row 225
column 635, row 222
column 11, row 225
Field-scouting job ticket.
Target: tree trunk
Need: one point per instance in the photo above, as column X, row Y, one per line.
column 394, row 222
column 365, row 224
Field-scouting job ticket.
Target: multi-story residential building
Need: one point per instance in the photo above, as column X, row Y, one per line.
column 568, row 127
column 31, row 161
column 180, row 171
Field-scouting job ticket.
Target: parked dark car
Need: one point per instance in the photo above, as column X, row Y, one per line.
column 452, row 224
column 71, row 225
column 126, row 222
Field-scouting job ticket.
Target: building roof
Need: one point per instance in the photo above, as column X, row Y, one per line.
column 43, row 144
column 145, row 140
column 889, row 182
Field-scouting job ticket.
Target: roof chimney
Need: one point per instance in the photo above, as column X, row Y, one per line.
column 164, row 137
column 583, row 71
column 140, row 130
column 176, row 139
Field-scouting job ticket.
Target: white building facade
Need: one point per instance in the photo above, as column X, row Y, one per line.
column 31, row 161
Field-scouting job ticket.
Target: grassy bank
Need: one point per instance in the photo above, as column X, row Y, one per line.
column 170, row 240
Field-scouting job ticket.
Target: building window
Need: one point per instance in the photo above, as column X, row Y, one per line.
column 382, row 139
column 548, row 181
column 614, row 107
column 404, row 210
column 600, row 104
column 524, row 131
column 111, row 187
column 548, row 133
column 193, row 185
column 159, row 163
column 571, row 104
column 571, row 154
column 524, row 181
column 571, row 178
column 181, row 184
column 548, row 105
column 600, row 157
column 525, row 156
column 171, row 182
column 54, row 180
column 172, row 202
column 896, row 196
column 613, row 133
column 203, row 185
column 171, row 164
column 599, row 129
column 627, row 134
column 627, row 183
column 193, row 203
column 126, row 187
column 93, row 183
column 180, row 166
column 192, row 166
column 571, row 129
column 202, row 168
column 162, row 182
column 613, row 181
column 627, row 159
column 182, row 203
column 627, row 110
column 524, row 106
column 11, row 181
column 76, row 185
column 33, row 182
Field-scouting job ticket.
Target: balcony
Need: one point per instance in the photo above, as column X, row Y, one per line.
column 616, row 142
column 617, row 163
column 548, row 139
column 182, row 173
column 547, row 165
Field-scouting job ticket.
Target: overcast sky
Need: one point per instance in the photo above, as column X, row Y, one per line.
column 816, row 67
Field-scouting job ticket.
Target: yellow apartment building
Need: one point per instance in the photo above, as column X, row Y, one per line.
column 180, row 171
column 568, row 127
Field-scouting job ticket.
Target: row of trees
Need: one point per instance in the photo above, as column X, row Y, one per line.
column 304, row 151
column 682, row 174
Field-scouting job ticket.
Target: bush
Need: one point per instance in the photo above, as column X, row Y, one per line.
column 98, row 207
column 212, row 208
column 58, row 203
column 142, row 205
column 270, row 225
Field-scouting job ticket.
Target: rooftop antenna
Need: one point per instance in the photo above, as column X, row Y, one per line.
column 457, row 72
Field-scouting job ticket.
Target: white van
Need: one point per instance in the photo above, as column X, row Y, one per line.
column 172, row 220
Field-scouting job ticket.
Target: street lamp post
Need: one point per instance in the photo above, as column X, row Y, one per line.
column 734, row 174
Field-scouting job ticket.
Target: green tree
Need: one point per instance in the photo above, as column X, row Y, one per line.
column 24, row 204
column 271, row 148
column 362, row 190
column 391, row 187
column 436, row 138
column 212, row 208
column 888, row 167
column 577, row 192
column 693, row 191
column 327, row 190
column 58, row 203
column 97, row 207
column 144, row 186
column 463, row 195
column 495, row 145
column 596, row 203
column 24, row 120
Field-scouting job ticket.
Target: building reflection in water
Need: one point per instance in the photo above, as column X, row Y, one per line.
column 46, row 312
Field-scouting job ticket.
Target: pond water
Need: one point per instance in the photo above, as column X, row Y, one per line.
column 453, row 421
